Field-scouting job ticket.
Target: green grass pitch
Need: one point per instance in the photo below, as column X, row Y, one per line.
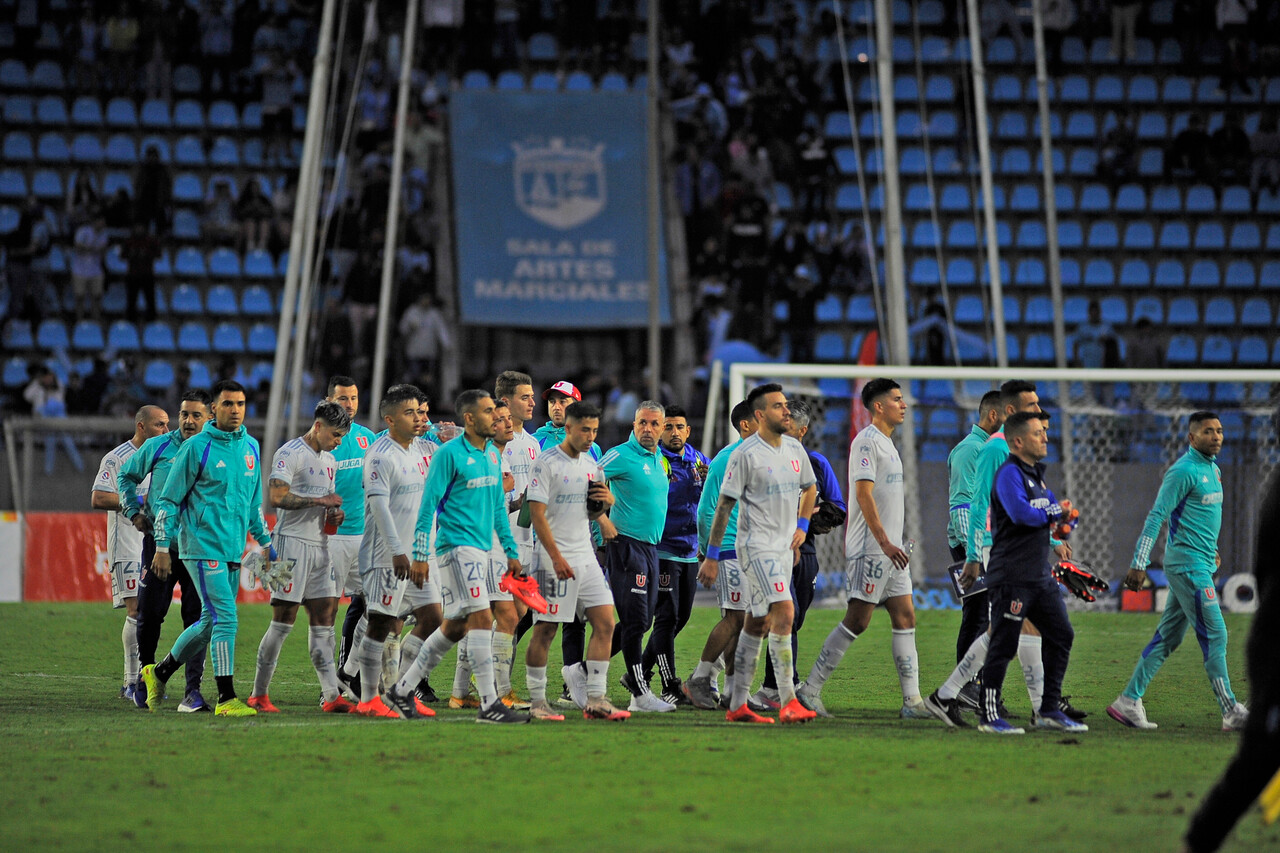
column 86, row 772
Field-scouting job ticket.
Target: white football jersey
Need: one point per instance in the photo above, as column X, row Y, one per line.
column 873, row 456
column 520, row 454
column 561, row 483
column 124, row 542
column 766, row 482
column 399, row 474
column 308, row 473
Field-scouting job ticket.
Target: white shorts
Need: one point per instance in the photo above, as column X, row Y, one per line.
column 570, row 598
column 768, row 576
column 344, row 551
column 731, row 586
column 383, row 591
column 313, row 572
column 464, row 581
column 124, row 582
column 526, row 555
column 497, row 568
column 427, row 594
column 873, row 579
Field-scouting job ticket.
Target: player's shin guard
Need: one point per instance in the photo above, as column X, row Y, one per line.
column 370, row 662
column 320, row 640
column 480, row 651
column 907, row 662
column 503, row 653
column 1030, row 648
column 833, row 649
column 968, row 667
column 129, row 638
column 780, row 652
column 269, row 656
column 744, row 667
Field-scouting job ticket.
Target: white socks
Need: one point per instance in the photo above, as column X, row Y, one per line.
column 968, row 667
column 462, row 672
column 904, row 657
column 480, row 653
column 704, row 669
column 129, row 637
column 433, row 650
column 833, row 649
column 351, row 666
column 744, row 667
column 370, row 663
column 409, row 648
column 1029, row 649
column 320, row 641
column 504, row 651
column 780, row 651
column 597, row 676
column 536, row 678
column 268, row 656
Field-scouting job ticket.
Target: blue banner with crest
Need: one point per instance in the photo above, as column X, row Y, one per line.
column 550, row 209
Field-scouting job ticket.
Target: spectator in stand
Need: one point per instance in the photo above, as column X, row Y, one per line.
column 1095, row 343
column 23, row 246
column 823, row 249
column 1233, row 24
column 86, row 398
column 154, row 187
column 1266, row 156
column 84, row 39
column 125, row 392
column 84, row 201
column 47, row 398
column 360, row 294
column 1124, row 19
column 158, row 36
column 140, row 252
column 1145, row 349
column 997, row 15
column 373, row 107
column 282, row 204
column 1059, row 18
column 1229, row 150
column 216, row 40
column 816, row 169
column 425, row 336
column 702, row 110
column 506, row 22
column 751, row 161
column 255, row 212
column 790, row 249
column 1118, row 159
column 803, row 293
column 218, row 223
column 118, row 210
column 276, row 78
column 89, row 247
column 1188, row 156
column 120, row 44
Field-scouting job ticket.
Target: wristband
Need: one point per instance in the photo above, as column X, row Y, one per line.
column 803, row 524
column 713, row 552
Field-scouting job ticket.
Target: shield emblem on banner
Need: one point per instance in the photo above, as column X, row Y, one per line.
column 559, row 185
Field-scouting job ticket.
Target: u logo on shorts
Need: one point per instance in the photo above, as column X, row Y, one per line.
column 474, row 590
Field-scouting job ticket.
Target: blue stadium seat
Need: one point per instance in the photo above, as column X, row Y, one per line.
column 962, row 235
column 87, row 335
column 1135, row 273
column 1039, row 349
column 258, row 264
column 186, row 225
column 1170, row 274
column 1025, row 198
column 942, row 125
column 193, row 337
column 1012, row 125
column 262, row 338
column 1177, row 90
column 1099, row 273
column 224, row 154
column 939, row 88
column 1153, row 126
column 1220, row 312
column 1131, row 198
column 47, row 184
column 1217, row 352
column 121, row 150
column 1015, row 161
column 1074, row 89
column 157, row 337
column 121, row 112
column 1183, row 311
column 200, row 376
column 1142, row 89
column 1084, row 162
column 85, row 148
column 1236, row 200
column 1256, row 313
column 912, row 161
column 19, row 110
column 1012, row 310
column 546, row 81
column 578, row 81
column 955, row 198
column 189, row 263
column 252, row 153
column 1210, row 236
column 1245, row 237
column 256, row 302
column 509, row 81
column 847, row 199
column 187, row 188
column 970, row 310
column 224, row 263
column 1139, row 234
column 18, row 335
column 1273, row 237
column 1103, row 235
column 1031, row 235
column 1205, row 274
column 1200, row 199
column 221, row 299
column 189, row 115
column 15, row 372
column 1166, row 199
column 1108, row 89
column 1252, row 352
column 13, row 185
column 1114, row 310
column 925, row 273
column 1095, row 198
column 189, row 151
column 1150, row 307
column 186, row 80
column 1181, row 352
column 158, row 375
column 923, row 235
column 829, row 310
column 1075, row 310
column 227, row 337
column 159, row 143
column 475, row 80
column 960, row 273
column 223, row 116
column 829, row 347
column 48, row 75
column 186, row 299
column 13, row 75
column 51, row 111
column 1029, row 273
column 52, row 334
column 123, row 335
column 861, row 309
column 155, row 114
column 1175, row 235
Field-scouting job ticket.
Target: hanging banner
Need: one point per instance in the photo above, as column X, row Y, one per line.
column 551, row 209
column 66, row 559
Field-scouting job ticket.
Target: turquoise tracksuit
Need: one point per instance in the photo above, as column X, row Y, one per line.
column 215, row 489
column 959, row 462
column 1190, row 500
column 711, row 497
column 639, row 484
column 154, row 457
column 464, row 494
column 348, row 480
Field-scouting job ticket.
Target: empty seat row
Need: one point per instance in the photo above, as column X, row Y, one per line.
column 88, row 111
column 1101, row 234
column 127, row 150
column 159, row 374
column 158, row 336
column 1102, row 273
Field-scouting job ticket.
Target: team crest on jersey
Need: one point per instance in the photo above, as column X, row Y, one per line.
column 1210, row 593
column 641, row 580
column 363, row 441
column 422, row 467
column 795, row 465
column 493, row 457
column 248, row 461
column 1015, row 606
column 664, row 580
column 533, row 454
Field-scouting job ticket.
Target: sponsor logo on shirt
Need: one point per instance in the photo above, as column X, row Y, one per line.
column 482, row 482
column 1211, row 498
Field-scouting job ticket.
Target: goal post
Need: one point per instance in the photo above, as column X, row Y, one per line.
column 1112, row 433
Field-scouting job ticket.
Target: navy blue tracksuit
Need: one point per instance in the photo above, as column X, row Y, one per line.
column 154, row 598
column 1019, row 585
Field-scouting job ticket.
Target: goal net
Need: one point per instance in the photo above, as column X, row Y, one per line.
column 1112, row 435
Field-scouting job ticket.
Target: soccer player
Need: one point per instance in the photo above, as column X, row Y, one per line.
column 465, row 499
column 771, row 477
column 1190, row 500
column 515, row 389
column 348, row 484
column 564, row 479
column 124, row 543
column 686, row 470
column 875, row 556
column 804, row 576
column 301, row 490
column 1019, row 585
column 154, row 459
column 215, row 486
column 638, row 480
column 1258, row 756
column 731, row 594
column 395, row 472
